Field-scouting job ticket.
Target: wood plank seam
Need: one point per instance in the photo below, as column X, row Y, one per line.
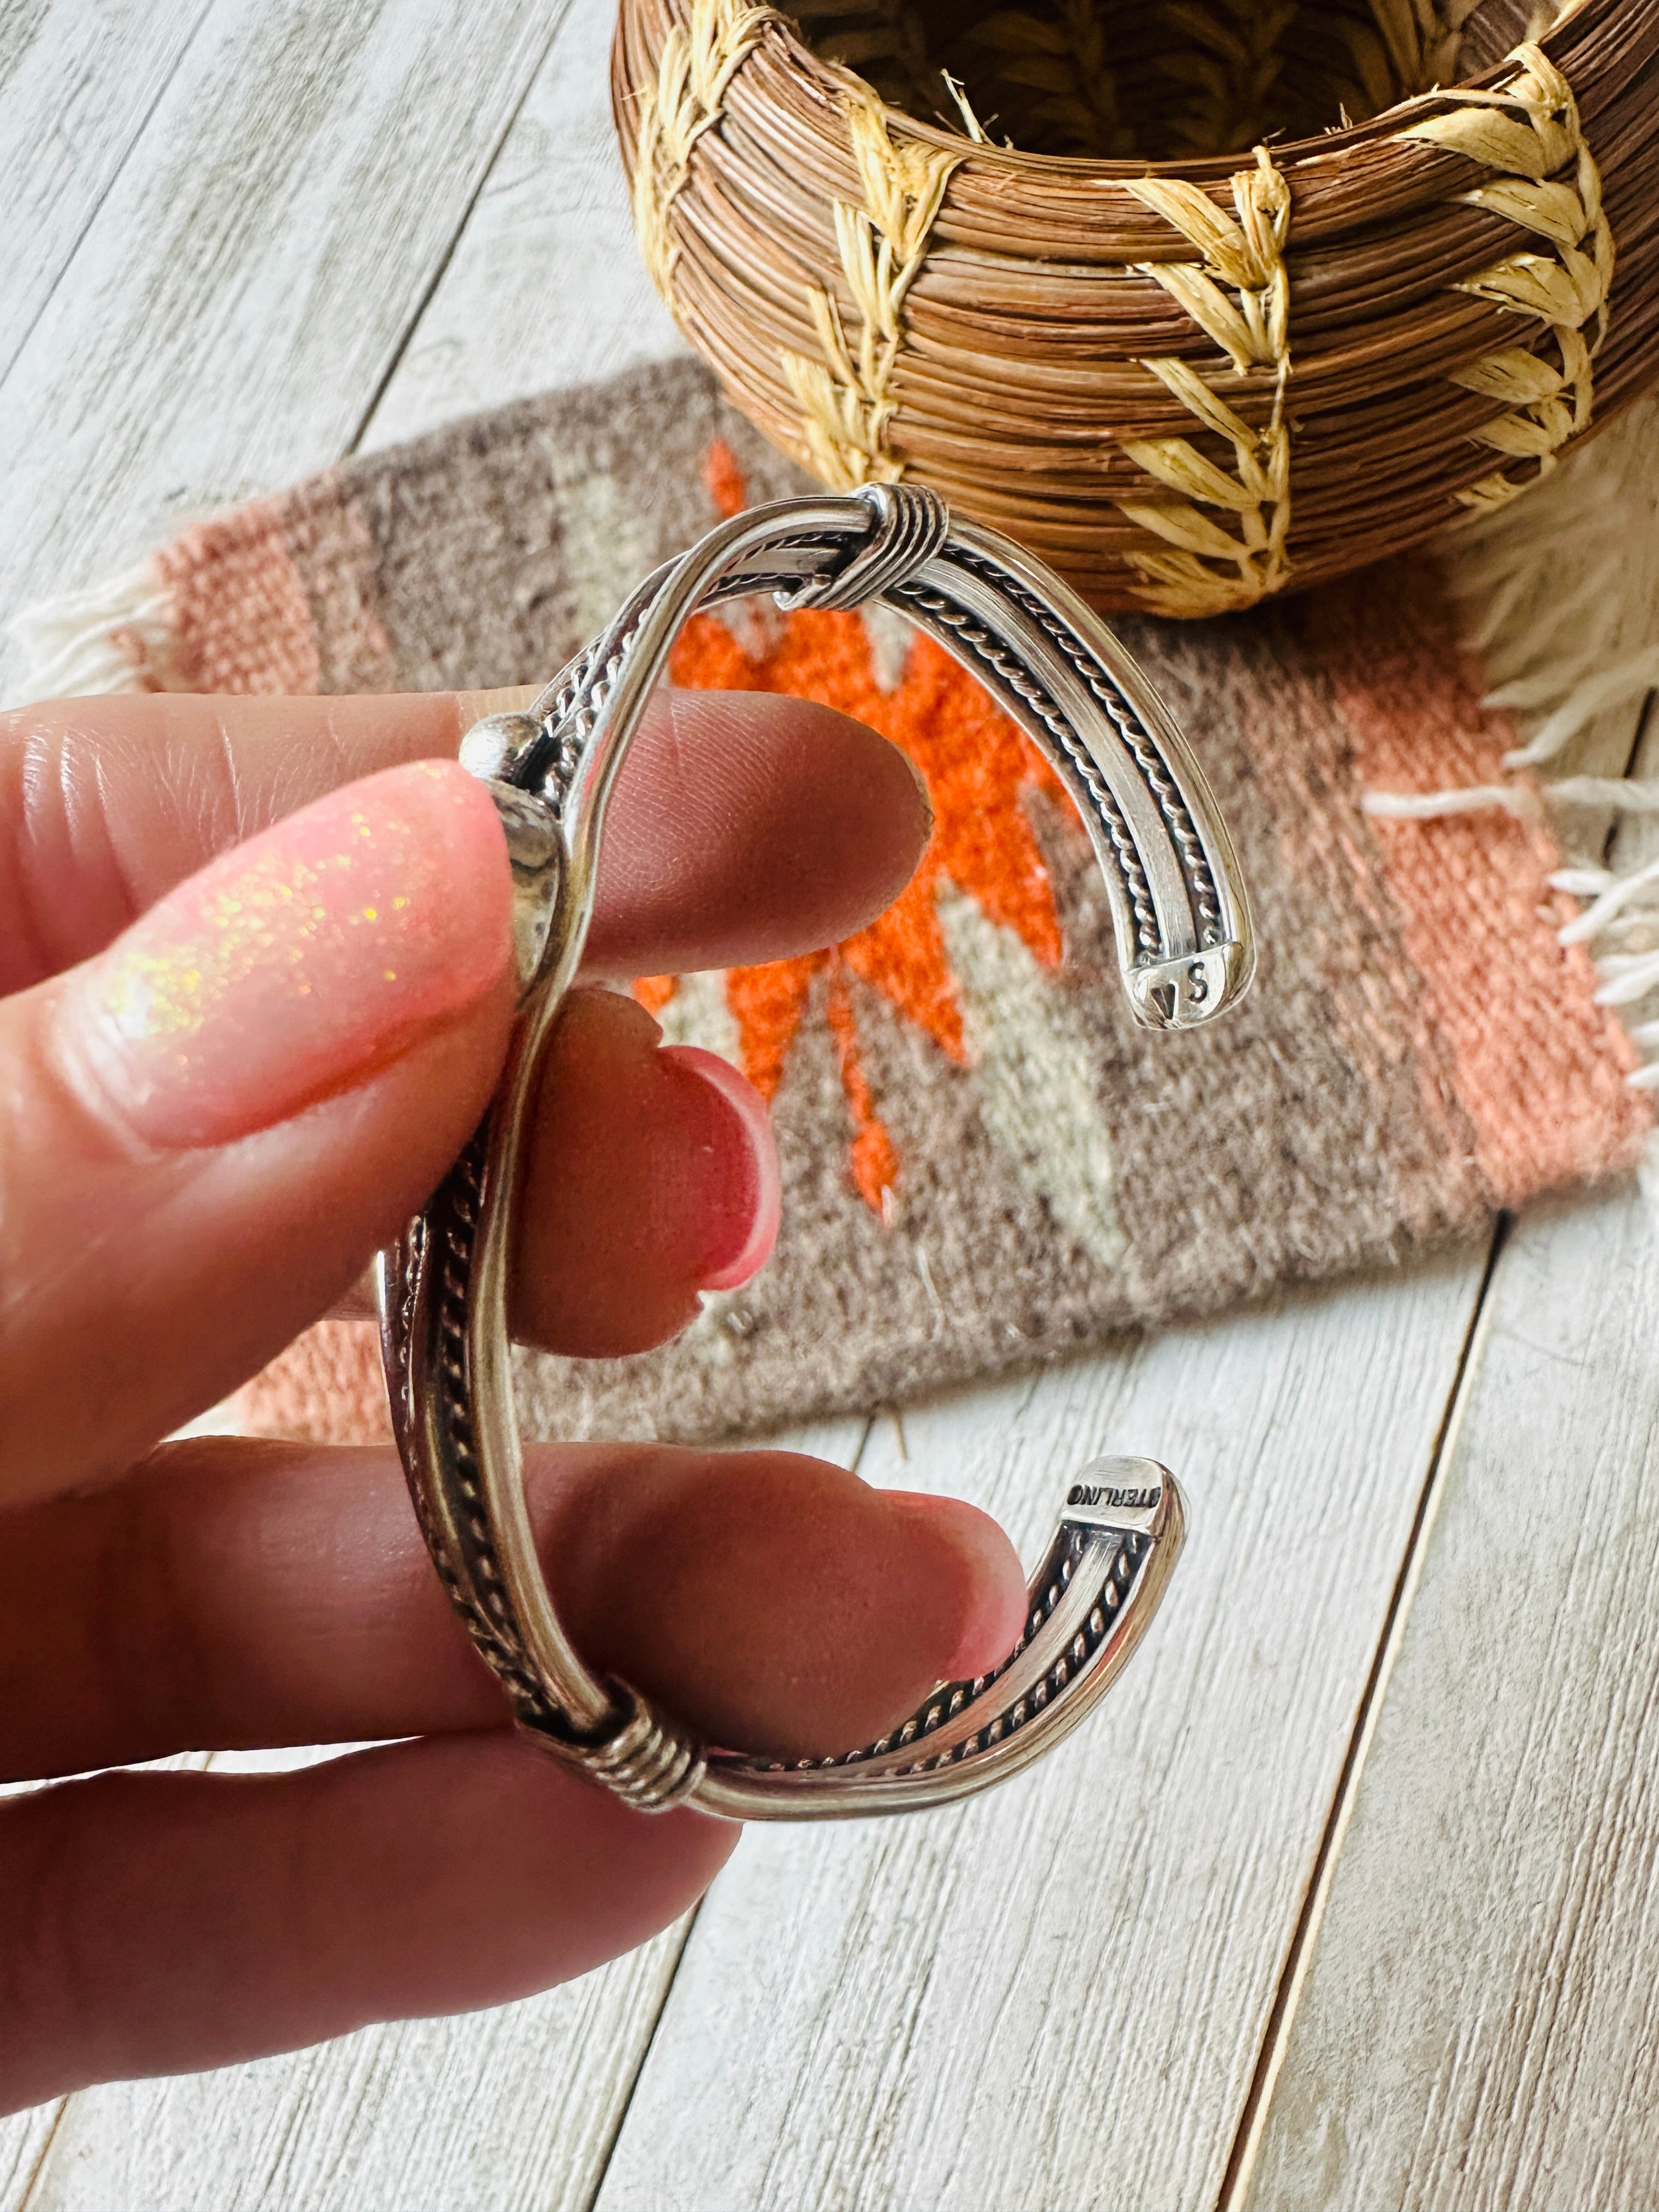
column 40, row 2166
column 110, row 183
column 602, row 2163
column 486, row 171
column 1241, row 2164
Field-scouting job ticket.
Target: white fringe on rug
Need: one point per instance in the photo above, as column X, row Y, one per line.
column 118, row 635
column 1559, row 596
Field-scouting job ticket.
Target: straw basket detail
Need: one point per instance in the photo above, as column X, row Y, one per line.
column 1097, row 270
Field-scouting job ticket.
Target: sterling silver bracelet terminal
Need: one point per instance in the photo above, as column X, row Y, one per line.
column 1184, row 948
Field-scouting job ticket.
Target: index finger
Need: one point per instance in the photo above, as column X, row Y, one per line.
column 744, row 826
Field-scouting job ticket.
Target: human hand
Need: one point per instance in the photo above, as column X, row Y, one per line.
column 220, row 1093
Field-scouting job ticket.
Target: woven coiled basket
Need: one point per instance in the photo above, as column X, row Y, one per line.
column 1202, row 300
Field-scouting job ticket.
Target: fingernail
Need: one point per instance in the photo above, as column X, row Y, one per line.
column 749, row 1204
column 301, row 961
column 927, row 797
column 474, row 706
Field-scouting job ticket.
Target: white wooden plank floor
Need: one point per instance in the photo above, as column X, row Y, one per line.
column 1481, row 2020
column 1205, row 1954
column 516, row 2107
column 73, row 98
column 243, row 288
column 545, row 286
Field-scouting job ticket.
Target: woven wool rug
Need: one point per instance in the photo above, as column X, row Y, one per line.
column 986, row 1164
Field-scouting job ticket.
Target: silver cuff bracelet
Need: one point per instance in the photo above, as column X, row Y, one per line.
column 1184, row 948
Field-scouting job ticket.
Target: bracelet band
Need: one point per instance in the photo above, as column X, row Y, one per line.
column 1184, row 948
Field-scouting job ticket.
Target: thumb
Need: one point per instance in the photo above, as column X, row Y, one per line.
column 205, row 1131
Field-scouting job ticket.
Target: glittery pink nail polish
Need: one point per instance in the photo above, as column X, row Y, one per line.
column 298, row 964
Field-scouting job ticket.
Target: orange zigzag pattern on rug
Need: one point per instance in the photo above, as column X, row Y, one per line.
column 975, row 762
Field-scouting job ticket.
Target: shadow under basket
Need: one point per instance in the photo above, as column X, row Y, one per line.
column 1201, row 299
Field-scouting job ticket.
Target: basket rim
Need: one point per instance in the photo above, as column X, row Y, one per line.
column 1394, row 261
column 829, row 78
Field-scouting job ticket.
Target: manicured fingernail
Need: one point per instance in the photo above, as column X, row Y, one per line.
column 302, row 961
column 749, row 1205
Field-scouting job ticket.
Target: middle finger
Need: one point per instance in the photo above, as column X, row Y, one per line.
column 234, row 1594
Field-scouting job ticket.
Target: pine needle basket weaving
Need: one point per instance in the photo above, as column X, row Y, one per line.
column 1202, row 300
